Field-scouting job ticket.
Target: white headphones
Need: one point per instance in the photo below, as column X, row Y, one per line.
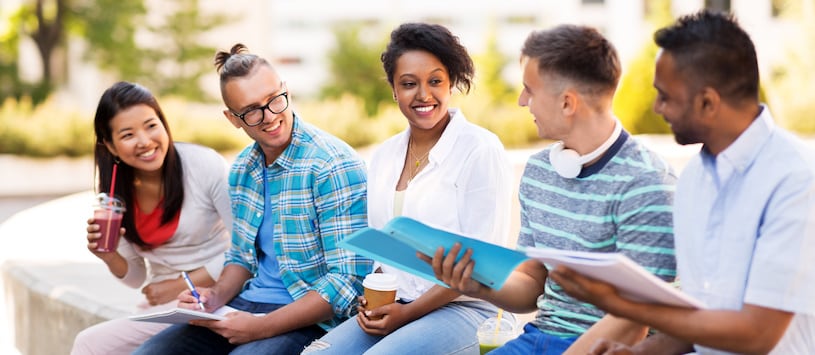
column 568, row 162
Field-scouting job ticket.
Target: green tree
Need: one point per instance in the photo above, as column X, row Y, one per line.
column 635, row 97
column 175, row 64
column 171, row 65
column 109, row 27
column 634, row 100
column 791, row 96
column 44, row 21
column 355, row 68
column 489, row 68
column 49, row 22
column 10, row 84
column 48, row 33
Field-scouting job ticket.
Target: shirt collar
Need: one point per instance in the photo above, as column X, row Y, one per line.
column 607, row 155
column 744, row 150
column 287, row 158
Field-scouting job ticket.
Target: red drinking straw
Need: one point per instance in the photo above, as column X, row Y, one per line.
column 112, row 183
column 110, row 202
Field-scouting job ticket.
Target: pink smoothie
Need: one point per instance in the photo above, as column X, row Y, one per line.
column 109, row 225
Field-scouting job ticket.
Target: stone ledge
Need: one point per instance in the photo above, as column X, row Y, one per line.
column 23, row 176
column 57, row 301
column 54, row 287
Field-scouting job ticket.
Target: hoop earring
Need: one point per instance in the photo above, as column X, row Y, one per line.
column 116, row 160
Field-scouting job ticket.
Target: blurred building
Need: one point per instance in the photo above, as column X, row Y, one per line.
column 301, row 32
column 297, row 35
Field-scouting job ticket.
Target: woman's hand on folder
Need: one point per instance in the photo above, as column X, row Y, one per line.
column 457, row 275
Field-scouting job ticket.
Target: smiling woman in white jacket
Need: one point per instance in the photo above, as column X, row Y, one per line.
column 443, row 171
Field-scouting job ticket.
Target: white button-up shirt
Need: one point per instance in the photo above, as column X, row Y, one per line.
column 465, row 188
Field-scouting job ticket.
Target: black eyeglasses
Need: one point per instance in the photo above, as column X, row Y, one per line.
column 255, row 116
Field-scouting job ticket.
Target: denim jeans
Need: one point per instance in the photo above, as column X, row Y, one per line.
column 534, row 341
column 187, row 339
column 447, row 330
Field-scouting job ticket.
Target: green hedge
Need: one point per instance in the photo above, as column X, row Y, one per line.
column 51, row 130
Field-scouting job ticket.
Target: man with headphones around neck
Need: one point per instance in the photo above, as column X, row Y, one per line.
column 596, row 189
column 744, row 213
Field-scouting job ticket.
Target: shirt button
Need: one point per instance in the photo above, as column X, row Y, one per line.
column 258, row 214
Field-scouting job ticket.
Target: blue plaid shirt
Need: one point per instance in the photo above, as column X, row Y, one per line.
column 320, row 186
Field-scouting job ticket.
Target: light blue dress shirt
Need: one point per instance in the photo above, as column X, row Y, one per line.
column 744, row 224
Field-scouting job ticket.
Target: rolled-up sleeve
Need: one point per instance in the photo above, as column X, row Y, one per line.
column 340, row 200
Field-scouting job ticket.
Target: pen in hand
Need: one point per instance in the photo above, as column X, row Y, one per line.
column 192, row 289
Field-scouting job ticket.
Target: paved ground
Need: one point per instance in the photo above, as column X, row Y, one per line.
column 8, row 207
column 25, row 183
column 55, row 249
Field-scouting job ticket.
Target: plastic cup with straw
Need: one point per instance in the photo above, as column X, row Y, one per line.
column 494, row 332
column 498, row 321
column 108, row 215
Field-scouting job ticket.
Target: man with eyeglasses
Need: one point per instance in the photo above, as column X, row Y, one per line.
column 296, row 192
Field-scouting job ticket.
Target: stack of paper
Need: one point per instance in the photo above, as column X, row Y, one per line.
column 396, row 245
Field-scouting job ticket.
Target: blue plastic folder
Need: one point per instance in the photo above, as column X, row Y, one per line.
column 396, row 245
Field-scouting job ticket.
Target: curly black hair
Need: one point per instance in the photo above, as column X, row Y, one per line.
column 436, row 40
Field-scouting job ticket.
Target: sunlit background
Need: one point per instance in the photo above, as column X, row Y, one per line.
column 57, row 56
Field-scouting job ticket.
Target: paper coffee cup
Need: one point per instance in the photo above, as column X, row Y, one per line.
column 379, row 290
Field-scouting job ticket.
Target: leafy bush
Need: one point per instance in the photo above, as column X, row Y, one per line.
column 49, row 130
column 633, row 103
column 43, row 131
column 345, row 117
column 52, row 130
column 355, row 68
column 512, row 123
column 202, row 124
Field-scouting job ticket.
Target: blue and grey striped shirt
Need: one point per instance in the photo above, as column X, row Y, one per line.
column 622, row 203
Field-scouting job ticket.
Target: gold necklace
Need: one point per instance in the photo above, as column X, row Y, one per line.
column 418, row 160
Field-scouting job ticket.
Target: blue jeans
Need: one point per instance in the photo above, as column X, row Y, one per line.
column 447, row 330
column 534, row 341
column 188, row 339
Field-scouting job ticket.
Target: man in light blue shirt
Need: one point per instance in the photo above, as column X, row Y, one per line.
column 744, row 218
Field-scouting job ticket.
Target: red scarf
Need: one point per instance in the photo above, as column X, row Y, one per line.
column 150, row 228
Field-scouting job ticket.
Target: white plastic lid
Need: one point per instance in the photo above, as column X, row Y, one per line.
column 380, row 282
column 507, row 325
column 110, row 203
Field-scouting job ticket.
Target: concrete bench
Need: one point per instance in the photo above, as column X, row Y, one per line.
column 53, row 287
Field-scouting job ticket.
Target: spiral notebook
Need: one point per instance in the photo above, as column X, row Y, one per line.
column 178, row 315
